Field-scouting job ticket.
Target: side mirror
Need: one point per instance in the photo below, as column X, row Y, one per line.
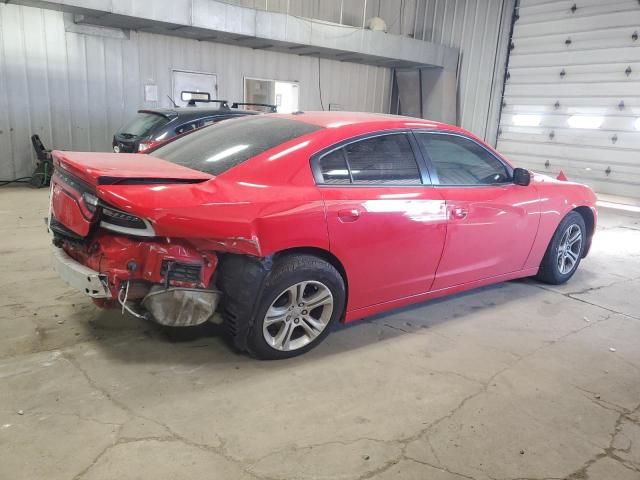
column 521, row 176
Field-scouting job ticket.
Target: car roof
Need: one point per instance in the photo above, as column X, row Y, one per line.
column 338, row 119
column 188, row 113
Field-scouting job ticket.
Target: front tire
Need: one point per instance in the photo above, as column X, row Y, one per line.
column 303, row 297
column 565, row 250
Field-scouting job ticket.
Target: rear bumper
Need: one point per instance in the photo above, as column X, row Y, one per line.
column 174, row 306
column 78, row 276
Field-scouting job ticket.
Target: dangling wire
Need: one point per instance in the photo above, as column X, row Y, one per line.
column 126, row 295
column 17, row 180
column 123, row 302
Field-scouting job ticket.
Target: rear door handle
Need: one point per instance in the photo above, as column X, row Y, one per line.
column 459, row 213
column 349, row 214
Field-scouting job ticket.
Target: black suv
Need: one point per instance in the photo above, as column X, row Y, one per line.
column 153, row 127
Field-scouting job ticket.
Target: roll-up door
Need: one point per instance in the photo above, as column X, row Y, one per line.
column 572, row 92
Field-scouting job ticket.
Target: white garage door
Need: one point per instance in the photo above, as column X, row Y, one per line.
column 572, row 93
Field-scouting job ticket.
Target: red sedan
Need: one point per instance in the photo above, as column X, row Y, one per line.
column 279, row 226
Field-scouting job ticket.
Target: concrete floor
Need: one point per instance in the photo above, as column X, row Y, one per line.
column 517, row 380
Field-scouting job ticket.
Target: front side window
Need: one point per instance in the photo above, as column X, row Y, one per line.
column 221, row 147
column 459, row 161
column 382, row 160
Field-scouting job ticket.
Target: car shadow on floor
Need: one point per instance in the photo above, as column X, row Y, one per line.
column 146, row 341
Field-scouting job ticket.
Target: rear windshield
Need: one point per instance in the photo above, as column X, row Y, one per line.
column 220, row 147
column 142, row 124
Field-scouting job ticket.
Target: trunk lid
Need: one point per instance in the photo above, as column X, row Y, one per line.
column 99, row 168
column 80, row 178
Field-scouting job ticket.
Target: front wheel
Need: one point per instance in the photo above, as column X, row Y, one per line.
column 565, row 250
column 302, row 299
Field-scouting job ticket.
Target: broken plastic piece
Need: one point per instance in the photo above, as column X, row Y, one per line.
column 181, row 307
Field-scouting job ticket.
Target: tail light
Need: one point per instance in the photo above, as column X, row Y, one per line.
column 90, row 202
column 122, row 222
column 144, row 146
column 149, row 145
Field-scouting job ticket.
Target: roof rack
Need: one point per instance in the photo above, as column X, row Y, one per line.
column 272, row 108
column 192, row 97
column 223, row 103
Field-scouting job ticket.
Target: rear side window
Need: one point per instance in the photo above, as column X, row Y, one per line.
column 382, row 160
column 334, row 168
column 210, row 121
column 187, row 127
column 143, row 124
column 218, row 148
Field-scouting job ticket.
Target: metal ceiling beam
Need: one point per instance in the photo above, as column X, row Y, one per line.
column 207, row 19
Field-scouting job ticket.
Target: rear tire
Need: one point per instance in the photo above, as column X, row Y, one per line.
column 564, row 251
column 302, row 299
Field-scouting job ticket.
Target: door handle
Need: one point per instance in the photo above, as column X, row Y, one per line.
column 459, row 213
column 349, row 214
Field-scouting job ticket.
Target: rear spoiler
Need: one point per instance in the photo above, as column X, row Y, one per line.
column 167, row 115
column 272, row 108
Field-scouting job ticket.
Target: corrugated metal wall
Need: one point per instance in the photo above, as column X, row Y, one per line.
column 479, row 28
column 75, row 90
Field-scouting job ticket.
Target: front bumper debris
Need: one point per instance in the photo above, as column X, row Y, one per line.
column 84, row 279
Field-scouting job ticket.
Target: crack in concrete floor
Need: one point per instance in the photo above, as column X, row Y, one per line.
column 246, row 467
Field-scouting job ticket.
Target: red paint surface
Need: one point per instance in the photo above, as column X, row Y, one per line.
column 397, row 245
column 66, row 202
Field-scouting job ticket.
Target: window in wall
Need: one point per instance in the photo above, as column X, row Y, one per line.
column 461, row 161
column 284, row 95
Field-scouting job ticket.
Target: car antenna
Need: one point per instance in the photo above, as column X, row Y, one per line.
column 174, row 103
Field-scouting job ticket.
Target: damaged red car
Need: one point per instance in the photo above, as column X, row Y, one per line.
column 280, row 226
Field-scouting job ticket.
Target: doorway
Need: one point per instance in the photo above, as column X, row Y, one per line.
column 283, row 94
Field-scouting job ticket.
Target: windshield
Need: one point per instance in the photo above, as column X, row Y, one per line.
column 218, row 148
column 142, row 124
